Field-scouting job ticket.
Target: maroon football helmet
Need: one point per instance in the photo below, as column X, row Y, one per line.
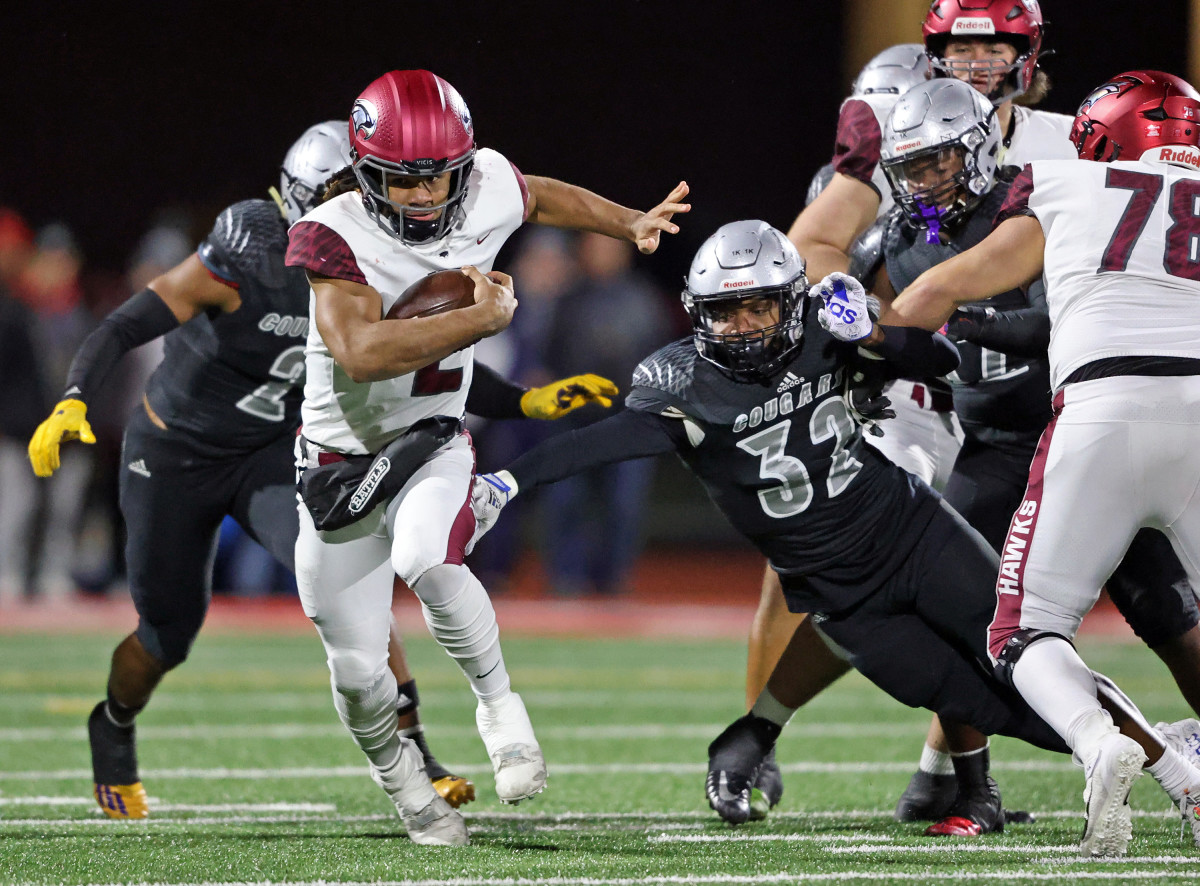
column 1018, row 22
column 411, row 124
column 1135, row 113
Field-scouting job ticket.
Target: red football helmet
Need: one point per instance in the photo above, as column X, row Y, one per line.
column 1135, row 113
column 411, row 124
column 1018, row 22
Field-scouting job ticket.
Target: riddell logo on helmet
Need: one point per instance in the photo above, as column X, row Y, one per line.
column 737, row 284
column 1178, row 154
column 364, row 118
column 973, row 26
column 911, row 145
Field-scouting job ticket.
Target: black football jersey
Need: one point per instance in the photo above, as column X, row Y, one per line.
column 787, row 465
column 234, row 381
column 1001, row 399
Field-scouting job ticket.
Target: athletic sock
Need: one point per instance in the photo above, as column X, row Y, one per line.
column 407, row 698
column 935, row 762
column 1175, row 775
column 770, row 708
column 119, row 714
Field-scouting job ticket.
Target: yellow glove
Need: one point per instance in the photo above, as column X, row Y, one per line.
column 66, row 422
column 566, row 395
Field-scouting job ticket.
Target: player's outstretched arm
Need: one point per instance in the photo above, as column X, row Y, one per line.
column 562, row 205
column 169, row 300
column 491, row 395
column 349, row 317
column 826, row 229
column 1011, row 256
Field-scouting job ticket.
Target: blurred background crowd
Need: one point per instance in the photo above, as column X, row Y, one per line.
column 130, row 131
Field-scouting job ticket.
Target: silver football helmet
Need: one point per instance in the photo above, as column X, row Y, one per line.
column 316, row 155
column 940, row 148
column 744, row 261
column 896, row 70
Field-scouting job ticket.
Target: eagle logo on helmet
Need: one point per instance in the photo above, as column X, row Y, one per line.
column 1031, row 6
column 364, row 118
column 1112, row 87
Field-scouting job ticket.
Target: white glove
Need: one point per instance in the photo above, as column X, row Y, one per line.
column 489, row 494
column 844, row 314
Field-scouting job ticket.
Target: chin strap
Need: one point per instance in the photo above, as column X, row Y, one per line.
column 278, row 201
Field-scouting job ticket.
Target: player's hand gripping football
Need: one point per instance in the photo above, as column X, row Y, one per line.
column 68, row 421
column 489, row 494
column 493, row 293
column 566, row 395
column 844, row 314
column 648, row 227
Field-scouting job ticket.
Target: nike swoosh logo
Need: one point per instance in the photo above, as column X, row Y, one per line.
column 723, row 792
column 484, row 237
column 493, row 667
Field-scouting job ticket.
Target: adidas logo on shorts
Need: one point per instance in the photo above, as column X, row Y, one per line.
column 139, row 467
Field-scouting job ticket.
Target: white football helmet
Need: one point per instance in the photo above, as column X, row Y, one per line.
column 319, row 153
column 896, row 70
column 940, row 148
column 746, row 260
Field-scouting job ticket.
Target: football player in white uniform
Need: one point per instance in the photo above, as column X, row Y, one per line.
column 994, row 45
column 422, row 198
column 1116, row 241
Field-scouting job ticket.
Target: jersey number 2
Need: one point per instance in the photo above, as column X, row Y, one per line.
column 1181, row 256
column 266, row 402
column 794, row 493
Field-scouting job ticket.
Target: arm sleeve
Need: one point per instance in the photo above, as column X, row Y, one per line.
column 1023, row 332
column 143, row 317
column 491, row 395
column 917, row 353
column 633, row 433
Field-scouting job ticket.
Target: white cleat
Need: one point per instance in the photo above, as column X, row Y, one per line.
column 1183, row 736
column 429, row 820
column 1189, row 807
column 516, row 758
column 1111, row 772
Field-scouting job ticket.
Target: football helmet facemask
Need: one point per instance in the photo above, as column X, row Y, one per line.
column 1018, row 22
column 940, row 145
column 319, row 153
column 742, row 263
column 1139, row 115
column 894, row 71
column 411, row 125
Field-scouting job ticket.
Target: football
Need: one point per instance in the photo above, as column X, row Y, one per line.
column 432, row 294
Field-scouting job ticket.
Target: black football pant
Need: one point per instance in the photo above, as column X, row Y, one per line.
column 922, row 636
column 174, row 495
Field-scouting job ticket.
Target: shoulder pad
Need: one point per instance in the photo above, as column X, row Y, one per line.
column 661, row 381
column 247, row 244
column 866, row 252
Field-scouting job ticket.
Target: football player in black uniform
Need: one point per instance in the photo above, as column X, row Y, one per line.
column 754, row 405
column 215, row 436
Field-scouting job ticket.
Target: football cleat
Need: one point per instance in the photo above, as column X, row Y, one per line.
column 1183, row 736
column 1113, row 768
column 975, row 811
column 735, row 758
column 454, row 789
column 928, row 797
column 116, row 785
column 767, row 789
column 516, row 757
column 428, row 819
column 1189, row 808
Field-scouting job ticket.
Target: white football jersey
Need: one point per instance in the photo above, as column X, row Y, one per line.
column 338, row 239
column 1122, row 265
column 1038, row 135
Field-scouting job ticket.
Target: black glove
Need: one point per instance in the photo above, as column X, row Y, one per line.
column 966, row 322
column 864, row 393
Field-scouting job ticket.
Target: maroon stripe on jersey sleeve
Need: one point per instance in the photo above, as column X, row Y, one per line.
column 524, row 191
column 856, row 152
column 1017, row 201
column 316, row 248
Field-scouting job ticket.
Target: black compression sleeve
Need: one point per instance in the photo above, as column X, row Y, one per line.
column 491, row 395
column 1024, row 332
column 143, row 317
column 916, row 353
column 632, row 433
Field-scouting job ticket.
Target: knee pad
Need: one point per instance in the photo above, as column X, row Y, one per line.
column 353, row 671
column 1015, row 647
column 411, row 561
column 168, row 644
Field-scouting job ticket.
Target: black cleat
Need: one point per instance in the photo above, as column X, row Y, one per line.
column 928, row 797
column 734, row 760
column 768, row 788
column 116, row 785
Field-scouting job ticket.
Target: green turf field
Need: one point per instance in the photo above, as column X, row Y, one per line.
column 252, row 778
